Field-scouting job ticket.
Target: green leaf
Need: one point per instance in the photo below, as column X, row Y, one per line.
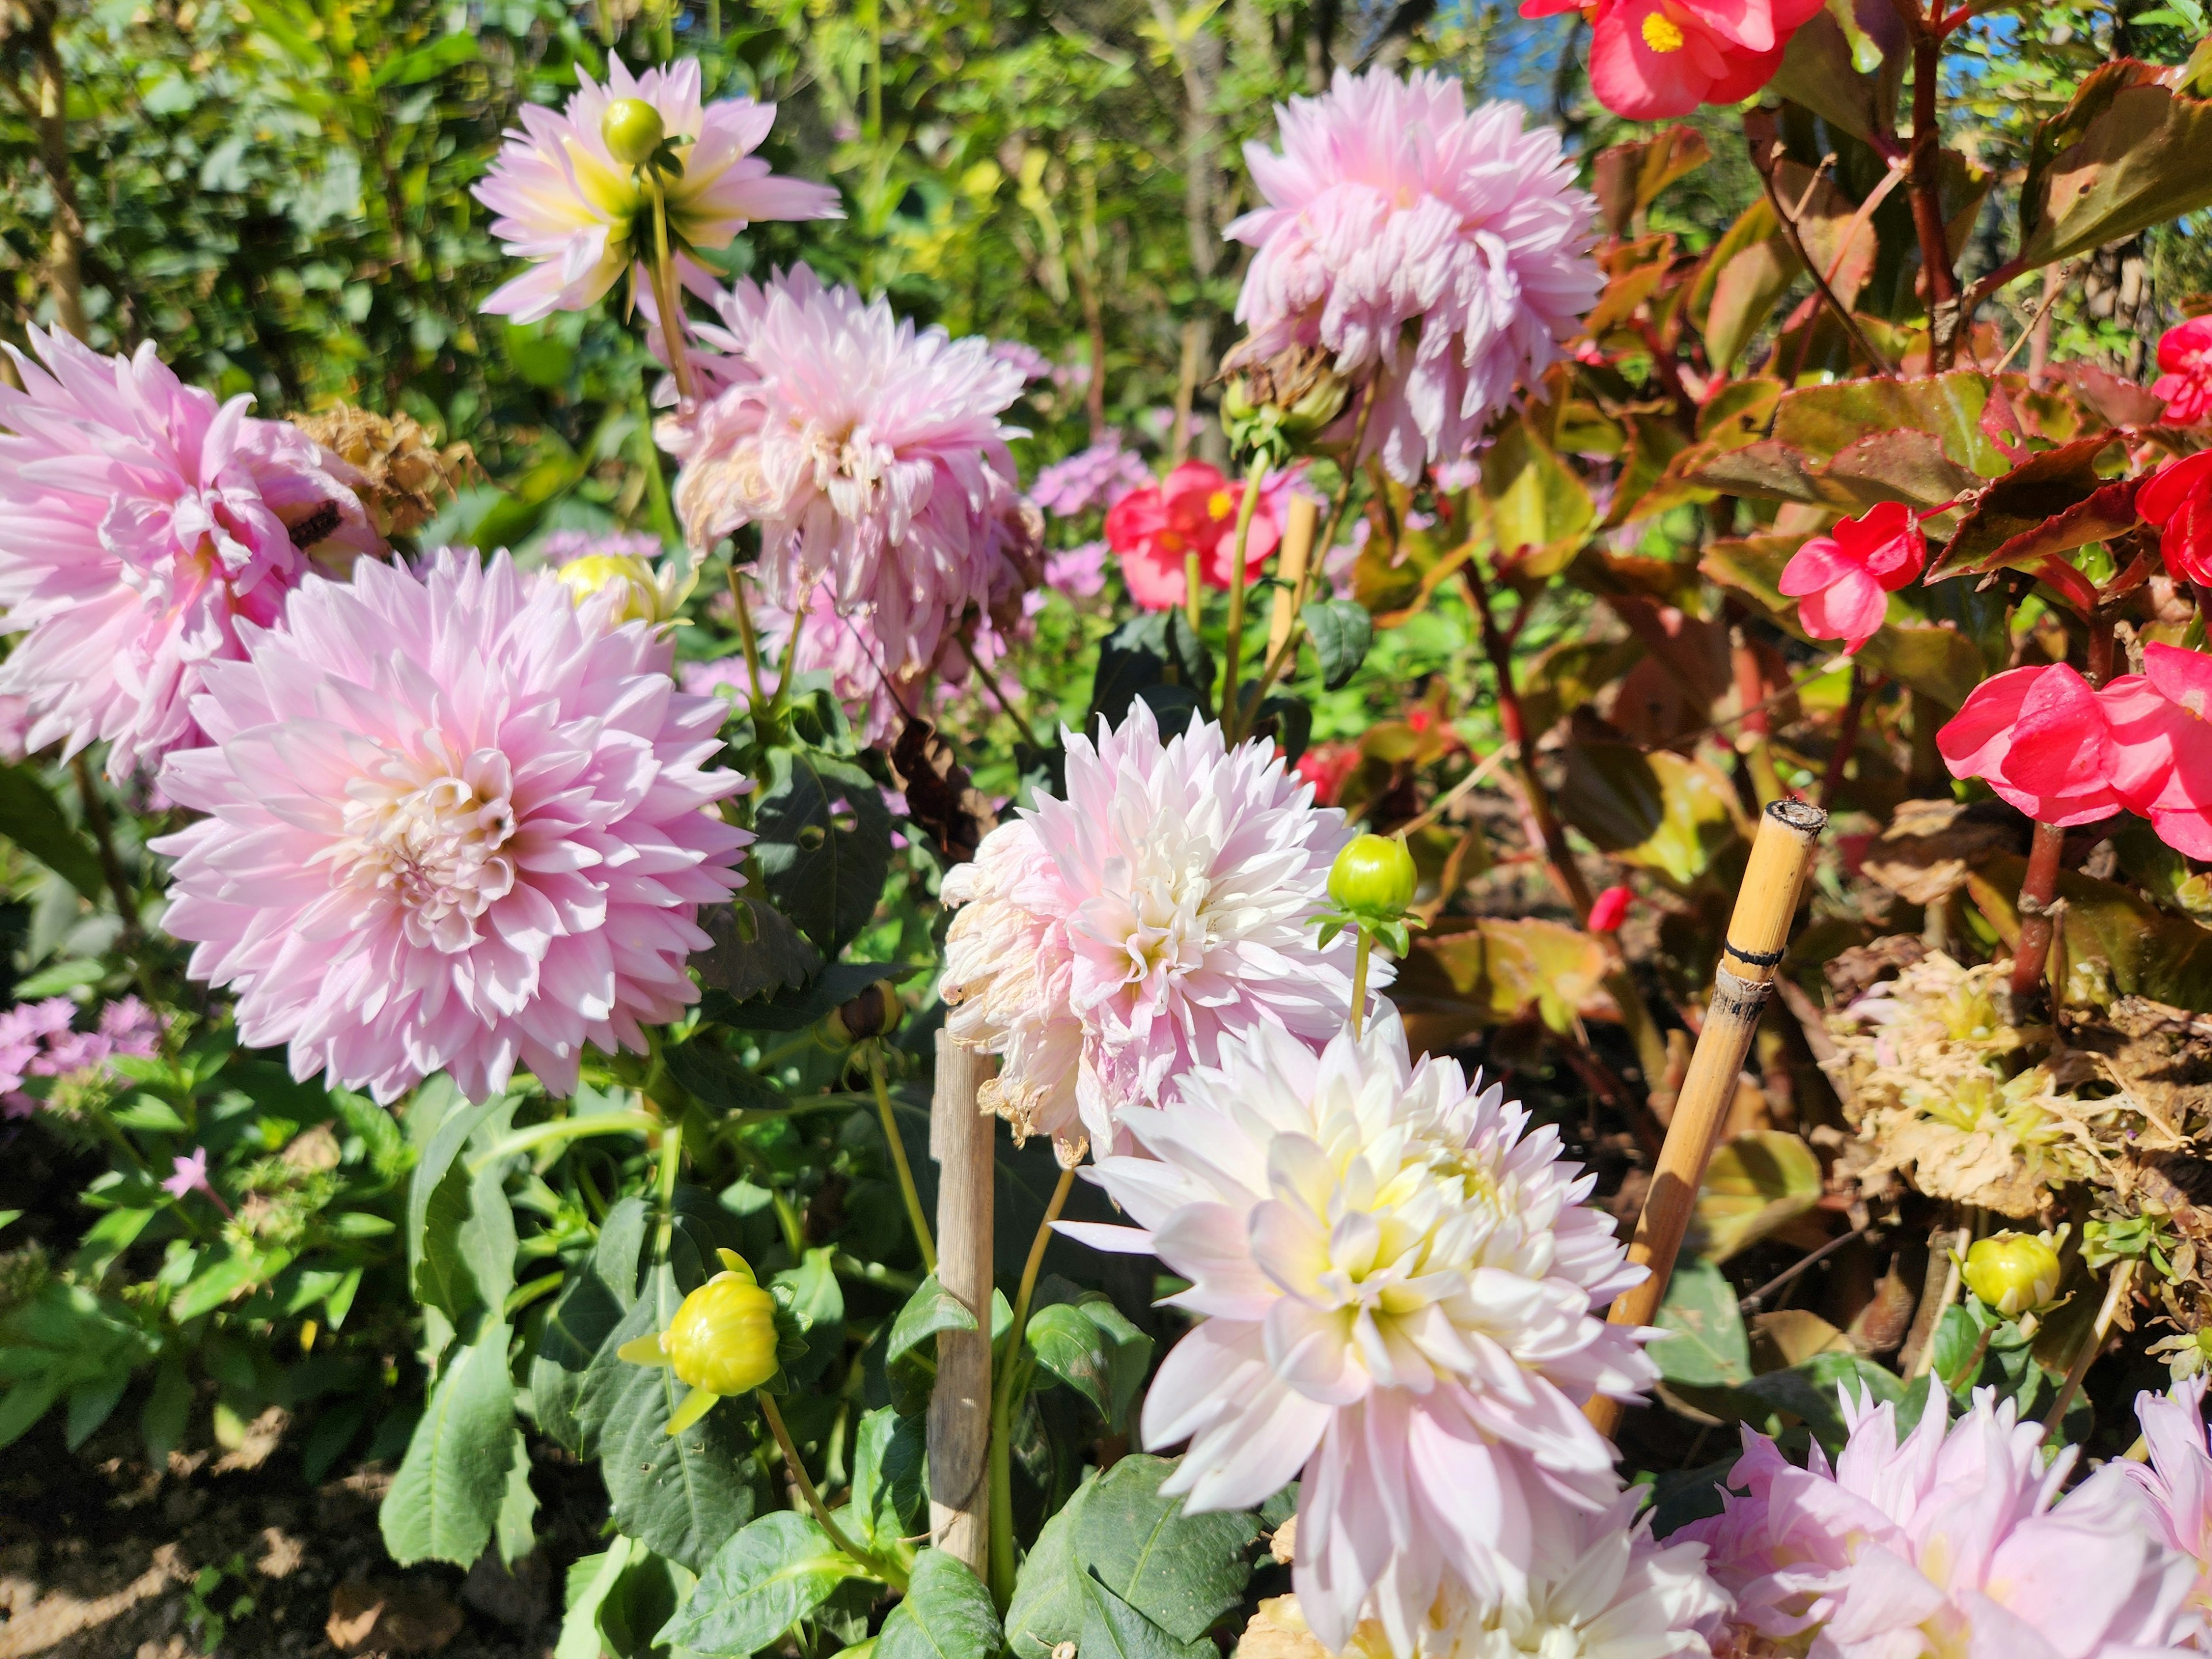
column 889, row 1458
column 2051, row 504
column 758, row 1585
column 32, row 818
column 818, row 1303
column 680, row 1494
column 1341, row 632
column 439, row 1210
column 1754, row 1183
column 448, row 1495
column 1138, row 654
column 1182, row 1571
column 1663, row 811
column 2126, row 153
column 824, row 846
column 590, row 1306
column 2147, row 952
column 1710, row 1347
column 795, row 1011
column 756, row 952
column 1818, row 73
column 945, row 1613
column 712, row 1078
column 1491, row 970
column 61, row 977
column 1049, row 1602
column 930, row 1309
column 1539, row 513
column 1750, row 269
column 1112, row 1629
column 1087, row 1343
column 518, row 1505
column 1807, row 1391
column 229, row 1275
column 590, row 1582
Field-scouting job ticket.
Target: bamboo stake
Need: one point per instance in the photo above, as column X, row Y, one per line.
column 1764, row 906
column 1291, row 569
column 960, row 1134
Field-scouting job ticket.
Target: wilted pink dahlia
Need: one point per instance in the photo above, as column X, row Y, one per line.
column 870, row 454
column 578, row 214
column 1954, row 1541
column 455, row 821
column 2179, row 1479
column 1441, row 255
column 1106, row 941
column 1399, row 1288
column 141, row 523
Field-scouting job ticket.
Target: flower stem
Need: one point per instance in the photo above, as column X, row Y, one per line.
column 668, row 294
column 2116, row 1296
column 2037, row 890
column 889, row 1571
column 1233, row 647
column 990, row 683
column 1944, row 321
column 1367, row 948
column 1281, row 656
column 1002, row 1404
column 749, row 641
column 672, row 1153
column 103, row 835
column 1190, row 601
column 907, row 1188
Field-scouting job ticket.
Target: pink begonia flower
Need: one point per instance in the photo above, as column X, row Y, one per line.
column 1844, row 579
column 1398, row 1287
column 1193, row 510
column 1441, row 255
column 455, row 821
column 1610, row 909
column 872, row 458
column 1104, row 942
column 580, row 216
column 141, row 523
column 188, row 1175
column 2065, row 754
column 2185, row 354
column 1651, row 60
column 2177, row 499
column 2177, row 1480
column 1089, row 479
column 1952, row 1543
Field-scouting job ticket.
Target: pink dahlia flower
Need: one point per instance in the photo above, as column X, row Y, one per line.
column 455, row 821
column 1954, row 1541
column 1106, row 941
column 1399, row 1288
column 2179, row 1480
column 870, row 454
column 1440, row 255
column 1845, row 580
column 581, row 220
column 141, row 523
column 2185, row 358
column 1651, row 60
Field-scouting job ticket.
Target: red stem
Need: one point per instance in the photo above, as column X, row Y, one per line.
column 1942, row 283
column 2037, row 890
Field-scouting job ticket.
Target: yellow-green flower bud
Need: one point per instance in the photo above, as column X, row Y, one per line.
column 2013, row 1272
column 875, row 1012
column 633, row 129
column 595, row 573
column 723, row 1338
column 1373, row 878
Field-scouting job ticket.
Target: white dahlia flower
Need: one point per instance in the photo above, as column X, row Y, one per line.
column 1105, row 942
column 1399, row 1286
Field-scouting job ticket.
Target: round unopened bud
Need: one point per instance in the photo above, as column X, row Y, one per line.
column 1374, row 878
column 875, row 1012
column 595, row 573
column 633, row 129
column 723, row 1337
column 2013, row 1272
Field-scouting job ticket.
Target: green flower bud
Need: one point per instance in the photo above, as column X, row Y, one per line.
column 633, row 129
column 723, row 1338
column 2013, row 1272
column 1373, row 879
column 875, row 1012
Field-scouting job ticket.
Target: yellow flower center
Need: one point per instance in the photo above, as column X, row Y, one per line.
column 1661, row 33
column 1218, row 504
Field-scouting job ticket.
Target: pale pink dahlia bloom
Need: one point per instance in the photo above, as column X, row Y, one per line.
column 578, row 215
column 870, row 454
column 1441, row 255
column 141, row 523
column 2179, row 1480
column 1622, row 1596
column 1106, row 941
column 1399, row 1287
column 455, row 821
column 1952, row 1543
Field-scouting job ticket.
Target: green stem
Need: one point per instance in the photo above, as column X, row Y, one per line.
column 566, row 1129
column 1233, row 648
column 748, row 642
column 1002, row 1404
column 672, row 1156
column 1190, row 601
column 907, row 1188
column 1285, row 653
column 1359, row 980
column 889, row 1571
column 668, row 294
column 998, row 695
column 111, row 866
column 659, row 508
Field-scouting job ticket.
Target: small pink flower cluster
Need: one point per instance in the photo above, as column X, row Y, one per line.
column 1091, row 479
column 39, row 1039
column 2066, row 753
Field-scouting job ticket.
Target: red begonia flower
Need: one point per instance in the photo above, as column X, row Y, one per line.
column 1655, row 59
column 2185, row 356
column 2177, row 499
column 1192, row 510
column 1844, row 579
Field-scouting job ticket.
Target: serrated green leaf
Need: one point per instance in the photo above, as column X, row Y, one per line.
column 945, row 1613
column 590, row 1306
column 439, row 1207
column 890, row 1456
column 448, row 1497
column 1754, row 1183
column 718, row 1081
column 1112, row 1629
column 1049, row 1601
column 1341, row 632
column 1089, row 1345
column 1182, row 1571
column 824, row 844
column 759, row 1584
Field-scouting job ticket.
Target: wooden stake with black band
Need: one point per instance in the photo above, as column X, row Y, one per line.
column 1758, row 933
